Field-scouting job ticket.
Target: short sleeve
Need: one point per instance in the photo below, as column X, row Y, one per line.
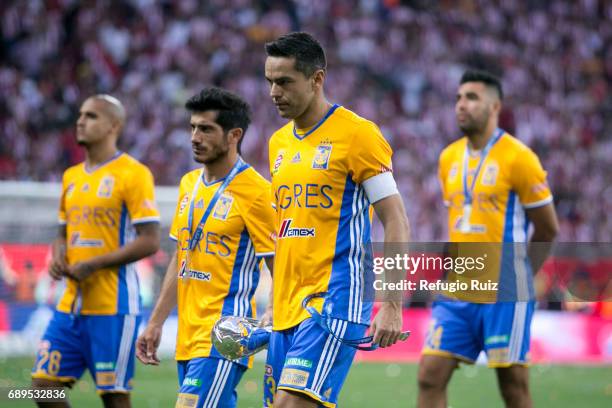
column 259, row 221
column 372, row 155
column 181, row 204
column 271, row 155
column 140, row 196
column 529, row 180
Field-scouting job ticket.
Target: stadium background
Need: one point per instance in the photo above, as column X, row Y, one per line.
column 395, row 62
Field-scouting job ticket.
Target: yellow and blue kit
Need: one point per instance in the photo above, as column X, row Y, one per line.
column 218, row 277
column 506, row 182
column 324, row 180
column 96, row 320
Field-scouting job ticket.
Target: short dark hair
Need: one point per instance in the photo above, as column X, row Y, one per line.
column 490, row 80
column 307, row 51
column 233, row 111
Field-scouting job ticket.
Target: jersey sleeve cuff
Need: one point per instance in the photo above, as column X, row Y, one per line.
column 172, row 237
column 264, row 254
column 540, row 203
column 380, row 186
column 145, row 220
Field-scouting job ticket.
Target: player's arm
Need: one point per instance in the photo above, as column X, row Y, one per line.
column 529, row 181
column 266, row 319
column 58, row 268
column 145, row 244
column 259, row 221
column 59, row 264
column 387, row 324
column 545, row 230
column 371, row 167
column 148, row 341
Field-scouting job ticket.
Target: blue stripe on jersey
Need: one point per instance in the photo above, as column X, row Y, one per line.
column 242, row 285
column 346, row 283
column 355, row 292
column 368, row 292
column 122, row 290
column 509, row 218
column 229, row 304
column 528, row 263
column 255, row 273
column 247, row 275
column 128, row 292
column 507, row 278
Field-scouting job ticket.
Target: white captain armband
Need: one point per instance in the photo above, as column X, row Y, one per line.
column 380, row 186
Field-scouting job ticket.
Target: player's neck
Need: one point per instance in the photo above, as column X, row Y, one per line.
column 479, row 140
column 313, row 114
column 220, row 168
column 97, row 155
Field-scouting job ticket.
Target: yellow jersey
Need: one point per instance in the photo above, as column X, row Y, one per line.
column 323, row 214
column 510, row 180
column 223, row 269
column 99, row 208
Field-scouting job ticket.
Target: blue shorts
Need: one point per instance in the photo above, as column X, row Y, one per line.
column 103, row 344
column 306, row 359
column 461, row 330
column 208, row 382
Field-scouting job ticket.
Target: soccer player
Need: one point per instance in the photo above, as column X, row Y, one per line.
column 108, row 220
column 493, row 186
column 328, row 167
column 223, row 226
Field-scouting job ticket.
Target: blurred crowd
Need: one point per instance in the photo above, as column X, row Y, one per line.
column 395, row 62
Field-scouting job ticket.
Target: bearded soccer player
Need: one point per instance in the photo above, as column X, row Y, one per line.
column 108, row 220
column 493, row 186
column 328, row 167
column 223, row 226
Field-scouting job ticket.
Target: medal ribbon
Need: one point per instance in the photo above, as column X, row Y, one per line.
column 468, row 193
column 196, row 236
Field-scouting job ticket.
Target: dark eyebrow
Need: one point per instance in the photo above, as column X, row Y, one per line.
column 201, row 125
column 283, row 78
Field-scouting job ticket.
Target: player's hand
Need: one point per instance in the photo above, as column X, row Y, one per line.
column 147, row 344
column 81, row 270
column 58, row 268
column 266, row 318
column 387, row 325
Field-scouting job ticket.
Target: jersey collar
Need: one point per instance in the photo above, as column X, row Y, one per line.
column 327, row 115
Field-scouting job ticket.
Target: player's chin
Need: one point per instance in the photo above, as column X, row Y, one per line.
column 284, row 112
column 205, row 158
column 466, row 127
column 199, row 158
